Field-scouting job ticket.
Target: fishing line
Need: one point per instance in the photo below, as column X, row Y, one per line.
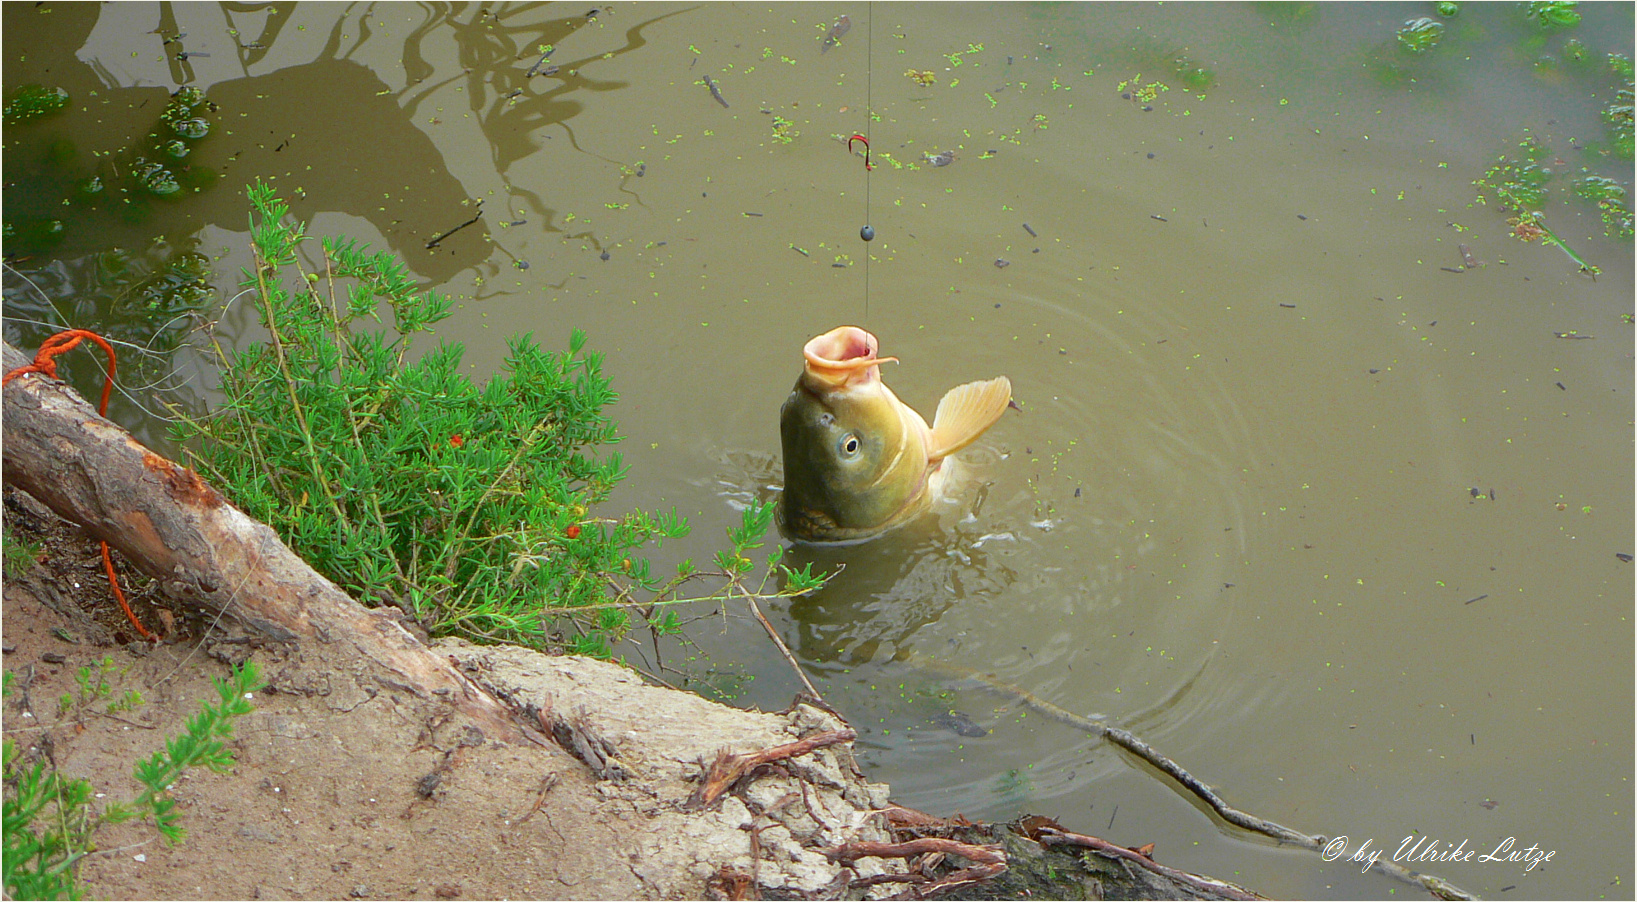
column 868, row 232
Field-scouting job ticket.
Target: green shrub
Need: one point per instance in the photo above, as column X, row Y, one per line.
column 406, row 483
column 48, row 820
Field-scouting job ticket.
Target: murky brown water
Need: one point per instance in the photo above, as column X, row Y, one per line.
column 1325, row 517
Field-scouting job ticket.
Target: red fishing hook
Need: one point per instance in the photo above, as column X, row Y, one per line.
column 868, row 166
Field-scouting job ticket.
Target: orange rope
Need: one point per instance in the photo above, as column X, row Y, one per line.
column 45, row 363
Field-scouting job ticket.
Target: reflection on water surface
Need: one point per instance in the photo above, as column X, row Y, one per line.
column 1262, row 373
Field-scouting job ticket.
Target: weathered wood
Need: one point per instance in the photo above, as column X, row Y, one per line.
column 204, row 551
column 1035, row 870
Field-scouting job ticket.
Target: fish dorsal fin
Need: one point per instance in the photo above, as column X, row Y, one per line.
column 965, row 412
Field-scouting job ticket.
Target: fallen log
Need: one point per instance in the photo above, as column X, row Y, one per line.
column 205, row 552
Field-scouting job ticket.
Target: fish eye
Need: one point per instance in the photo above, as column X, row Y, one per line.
column 848, row 445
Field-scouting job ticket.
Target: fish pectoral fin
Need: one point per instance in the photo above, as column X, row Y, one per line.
column 965, row 412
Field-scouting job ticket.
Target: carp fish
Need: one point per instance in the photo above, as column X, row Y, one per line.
column 858, row 461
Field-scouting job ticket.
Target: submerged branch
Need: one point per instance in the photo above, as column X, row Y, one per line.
column 1437, row 886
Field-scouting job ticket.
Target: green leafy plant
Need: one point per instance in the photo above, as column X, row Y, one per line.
column 1530, row 225
column 183, row 121
column 48, row 821
column 34, row 102
column 1611, row 201
column 784, row 131
column 1134, row 90
column 1553, row 13
column 203, row 743
column 18, row 555
column 94, row 685
column 1618, row 115
column 94, row 680
column 1420, row 35
column 1193, row 76
column 129, row 701
column 1517, row 183
column 1519, row 186
column 406, row 483
column 62, row 189
column 48, row 825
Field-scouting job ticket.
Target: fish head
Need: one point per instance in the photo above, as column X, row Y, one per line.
column 855, row 457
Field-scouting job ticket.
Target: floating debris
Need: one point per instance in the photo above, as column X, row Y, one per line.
column 475, row 217
column 960, row 724
column 833, row 37
column 1030, row 231
column 539, row 63
column 715, row 91
column 941, row 159
column 1002, row 264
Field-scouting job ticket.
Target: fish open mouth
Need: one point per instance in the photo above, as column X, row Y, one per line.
column 844, row 354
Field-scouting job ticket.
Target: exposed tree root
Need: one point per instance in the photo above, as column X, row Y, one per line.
column 728, row 768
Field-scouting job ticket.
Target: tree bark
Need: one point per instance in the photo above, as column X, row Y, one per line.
column 204, row 551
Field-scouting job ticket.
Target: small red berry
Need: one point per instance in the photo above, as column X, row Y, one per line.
column 455, row 441
column 573, row 531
